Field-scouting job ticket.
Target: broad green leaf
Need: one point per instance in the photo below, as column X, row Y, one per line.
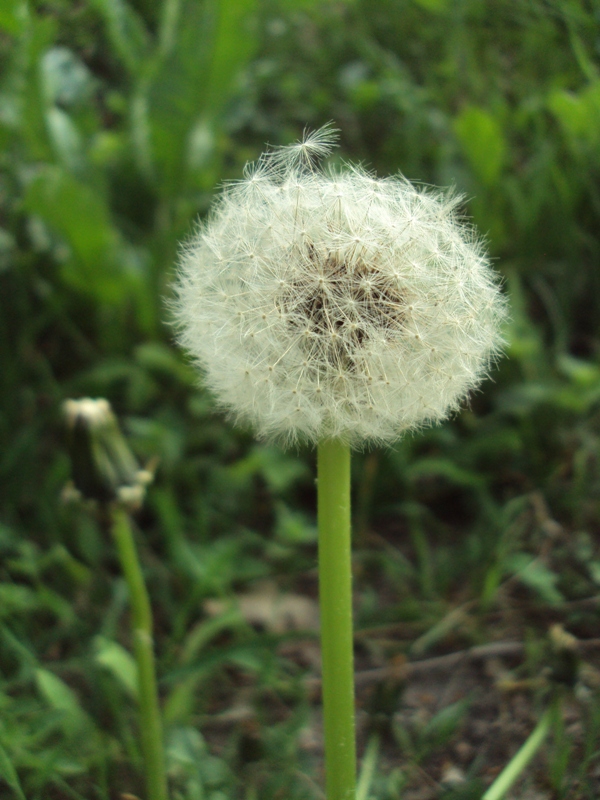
column 578, row 112
column 482, row 141
column 118, row 662
column 62, row 698
column 81, row 217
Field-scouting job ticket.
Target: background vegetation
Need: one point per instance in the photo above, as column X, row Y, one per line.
column 118, row 119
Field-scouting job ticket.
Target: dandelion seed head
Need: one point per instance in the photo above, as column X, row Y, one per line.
column 335, row 304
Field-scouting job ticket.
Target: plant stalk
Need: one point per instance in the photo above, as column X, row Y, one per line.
column 335, row 598
column 519, row 761
column 150, row 721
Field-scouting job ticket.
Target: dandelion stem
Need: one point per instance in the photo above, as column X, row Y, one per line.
column 522, row 757
column 335, row 594
column 150, row 722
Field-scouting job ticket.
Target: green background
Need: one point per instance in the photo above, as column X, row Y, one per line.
column 118, row 121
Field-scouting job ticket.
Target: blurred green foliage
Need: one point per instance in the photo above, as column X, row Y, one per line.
column 118, row 118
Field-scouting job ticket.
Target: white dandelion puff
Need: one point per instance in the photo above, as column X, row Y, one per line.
column 307, row 153
column 335, row 304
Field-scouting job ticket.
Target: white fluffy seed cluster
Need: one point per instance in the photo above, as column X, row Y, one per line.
column 335, row 304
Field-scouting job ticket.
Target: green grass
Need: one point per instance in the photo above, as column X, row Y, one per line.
column 117, row 122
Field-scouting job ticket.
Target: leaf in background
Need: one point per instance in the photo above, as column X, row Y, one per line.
column 63, row 699
column 81, row 217
column 118, row 662
column 17, row 599
column 444, row 468
column 188, row 757
column 9, row 774
column 65, row 78
column 179, row 702
column 170, row 91
column 292, row 527
column 13, row 16
column 443, row 725
column 7, row 249
column 578, row 113
column 126, row 31
column 233, row 44
column 158, row 437
column 435, row 6
column 65, row 138
column 482, row 142
column 584, row 374
column 191, row 80
column 525, row 342
column 31, row 98
column 163, row 360
column 536, row 575
column 278, row 469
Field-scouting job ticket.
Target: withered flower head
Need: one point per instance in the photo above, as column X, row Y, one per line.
column 103, row 467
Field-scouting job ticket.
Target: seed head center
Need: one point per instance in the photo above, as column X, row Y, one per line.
column 337, row 305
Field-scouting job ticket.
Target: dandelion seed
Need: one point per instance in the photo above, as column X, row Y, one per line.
column 372, row 297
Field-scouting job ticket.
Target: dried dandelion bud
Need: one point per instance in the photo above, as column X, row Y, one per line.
column 326, row 304
column 103, row 466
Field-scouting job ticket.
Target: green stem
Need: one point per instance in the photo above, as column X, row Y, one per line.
column 519, row 761
column 335, row 597
column 150, row 722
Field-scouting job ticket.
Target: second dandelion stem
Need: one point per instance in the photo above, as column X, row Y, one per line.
column 335, row 597
column 150, row 721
